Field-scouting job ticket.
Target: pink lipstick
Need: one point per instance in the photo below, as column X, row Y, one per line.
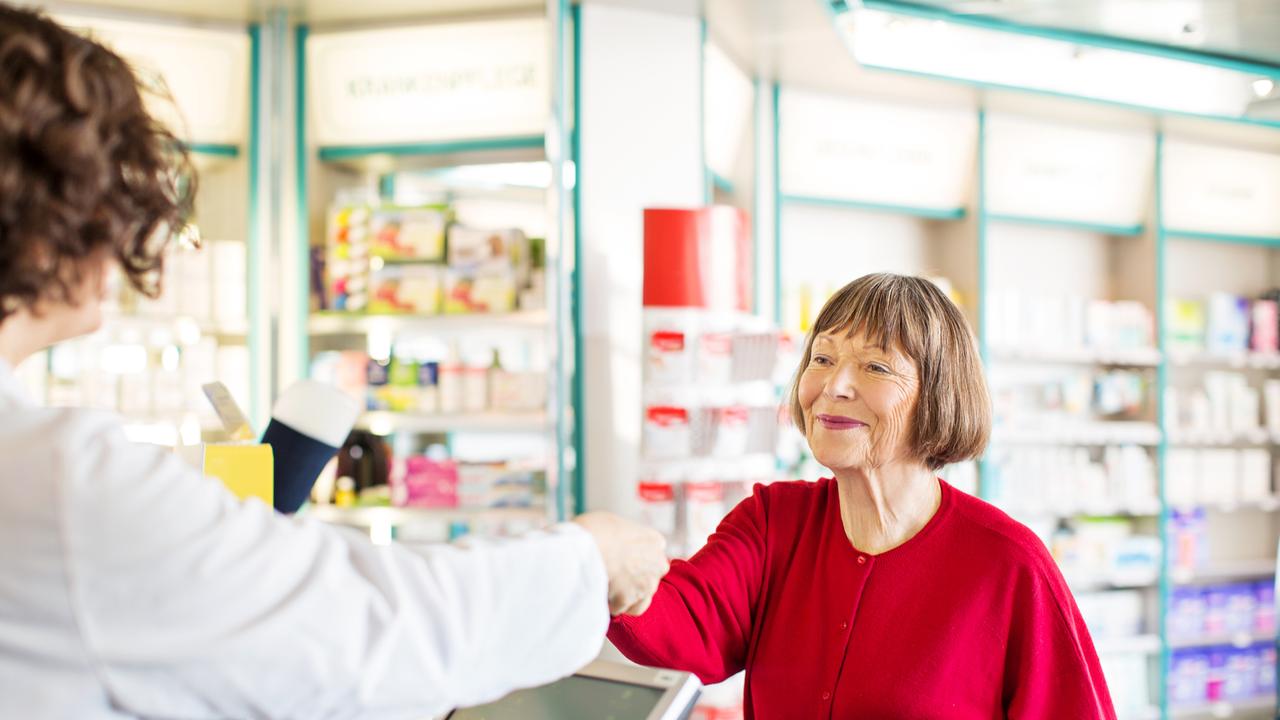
column 840, row 422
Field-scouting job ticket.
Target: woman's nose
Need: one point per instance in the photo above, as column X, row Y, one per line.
column 841, row 383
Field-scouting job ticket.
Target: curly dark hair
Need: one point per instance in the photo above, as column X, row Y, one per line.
column 85, row 171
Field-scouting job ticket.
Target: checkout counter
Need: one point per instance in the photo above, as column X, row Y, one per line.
column 600, row 690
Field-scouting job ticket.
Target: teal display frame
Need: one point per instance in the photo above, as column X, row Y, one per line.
column 570, row 488
column 577, row 291
column 254, row 238
column 1105, row 42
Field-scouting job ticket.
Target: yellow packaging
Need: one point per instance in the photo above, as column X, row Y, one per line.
column 247, row 470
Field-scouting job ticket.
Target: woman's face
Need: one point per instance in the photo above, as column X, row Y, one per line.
column 857, row 401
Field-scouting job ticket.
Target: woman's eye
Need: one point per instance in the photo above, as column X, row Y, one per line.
column 821, row 360
column 878, row 368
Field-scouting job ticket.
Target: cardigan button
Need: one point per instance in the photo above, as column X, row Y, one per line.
column 826, row 694
column 862, row 559
column 844, row 625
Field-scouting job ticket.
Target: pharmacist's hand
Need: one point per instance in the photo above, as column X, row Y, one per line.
column 634, row 556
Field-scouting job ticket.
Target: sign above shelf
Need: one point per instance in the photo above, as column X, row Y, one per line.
column 431, row 84
column 195, row 79
column 875, row 153
column 1085, row 175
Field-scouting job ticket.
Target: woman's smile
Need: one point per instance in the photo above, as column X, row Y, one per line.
column 839, row 422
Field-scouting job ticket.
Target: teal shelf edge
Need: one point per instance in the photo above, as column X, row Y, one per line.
column 302, row 262
column 333, row 153
column 1145, row 109
column 1056, row 223
column 579, row 382
column 775, row 95
column 984, row 349
column 1162, row 449
column 1262, row 240
column 257, row 389
column 916, row 211
column 1107, row 42
column 212, row 149
column 720, row 182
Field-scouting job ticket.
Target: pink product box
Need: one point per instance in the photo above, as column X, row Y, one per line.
column 1264, row 332
column 417, row 481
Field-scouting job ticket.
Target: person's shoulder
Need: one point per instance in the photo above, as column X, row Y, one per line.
column 787, row 500
column 791, row 493
column 998, row 535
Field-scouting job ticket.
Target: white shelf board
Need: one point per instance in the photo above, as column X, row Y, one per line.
column 1148, row 509
column 1257, row 437
column 1226, row 571
column 1080, row 583
column 360, row 324
column 1256, row 708
column 1082, row 433
column 368, row 516
column 382, row 422
column 1148, row 357
column 1238, row 640
column 1135, row 645
column 1270, row 504
column 114, row 323
column 1239, row 359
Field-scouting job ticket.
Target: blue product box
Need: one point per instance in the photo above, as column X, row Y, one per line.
column 1264, row 614
column 1188, row 677
column 1266, row 686
column 1186, row 613
column 1240, row 678
column 1241, row 608
column 1215, row 614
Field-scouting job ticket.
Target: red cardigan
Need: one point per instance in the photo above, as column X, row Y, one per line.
column 968, row 619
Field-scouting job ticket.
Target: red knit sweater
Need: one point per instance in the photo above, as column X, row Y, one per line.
column 968, row 619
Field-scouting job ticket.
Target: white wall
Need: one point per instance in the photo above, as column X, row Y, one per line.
column 640, row 146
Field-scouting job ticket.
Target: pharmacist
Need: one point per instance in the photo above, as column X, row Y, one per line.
column 132, row 587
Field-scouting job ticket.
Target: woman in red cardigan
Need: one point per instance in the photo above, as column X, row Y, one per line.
column 881, row 592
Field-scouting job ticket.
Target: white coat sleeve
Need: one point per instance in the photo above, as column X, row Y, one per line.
column 196, row 605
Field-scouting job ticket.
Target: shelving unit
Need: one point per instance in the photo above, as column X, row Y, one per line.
column 1076, row 222
column 501, row 168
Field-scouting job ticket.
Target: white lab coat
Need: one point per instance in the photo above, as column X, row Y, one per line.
column 131, row 586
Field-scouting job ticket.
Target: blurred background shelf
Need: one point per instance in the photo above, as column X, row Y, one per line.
column 1257, row 708
column 1239, row 640
column 1225, row 571
column 1097, row 433
column 396, row 516
column 385, row 423
column 1082, row 356
column 336, row 323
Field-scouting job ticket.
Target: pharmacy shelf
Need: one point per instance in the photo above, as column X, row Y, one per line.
column 1095, row 433
column 1135, row 645
column 1270, row 504
column 396, row 516
column 178, row 325
column 1133, row 510
column 1235, row 360
column 1079, row 356
column 1257, row 437
column 1080, row 583
column 337, row 323
column 1239, row 640
column 1226, row 571
column 1256, row 708
column 385, row 423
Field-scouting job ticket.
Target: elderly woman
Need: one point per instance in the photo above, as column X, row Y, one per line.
column 881, row 592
